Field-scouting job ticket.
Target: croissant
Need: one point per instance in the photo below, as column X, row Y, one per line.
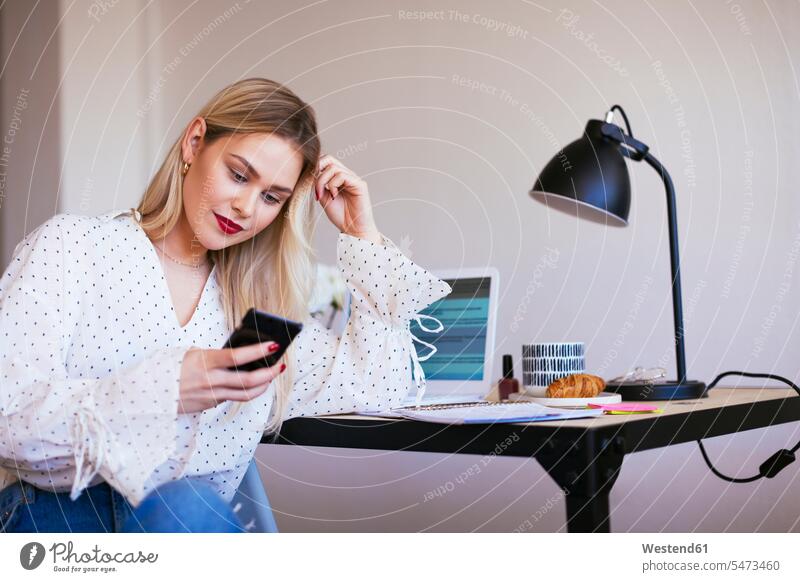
column 576, row 386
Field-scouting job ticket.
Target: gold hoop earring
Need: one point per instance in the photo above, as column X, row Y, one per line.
column 185, row 168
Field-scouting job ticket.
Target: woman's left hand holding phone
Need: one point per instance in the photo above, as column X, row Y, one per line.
column 206, row 380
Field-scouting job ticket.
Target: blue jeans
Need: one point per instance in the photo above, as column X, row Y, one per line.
column 185, row 505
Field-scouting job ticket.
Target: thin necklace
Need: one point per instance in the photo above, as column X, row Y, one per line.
column 174, row 260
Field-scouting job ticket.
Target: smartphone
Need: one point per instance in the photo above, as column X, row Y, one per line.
column 259, row 326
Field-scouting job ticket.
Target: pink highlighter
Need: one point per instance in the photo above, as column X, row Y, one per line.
column 626, row 408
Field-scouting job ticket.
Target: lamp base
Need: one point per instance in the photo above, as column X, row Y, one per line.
column 668, row 390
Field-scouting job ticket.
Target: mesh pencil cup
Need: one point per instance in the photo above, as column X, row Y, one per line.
column 543, row 363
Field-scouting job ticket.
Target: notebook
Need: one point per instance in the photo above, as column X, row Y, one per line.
column 486, row 413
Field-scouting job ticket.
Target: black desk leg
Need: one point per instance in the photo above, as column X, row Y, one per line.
column 585, row 470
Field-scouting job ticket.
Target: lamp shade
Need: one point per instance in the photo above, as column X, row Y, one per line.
column 589, row 178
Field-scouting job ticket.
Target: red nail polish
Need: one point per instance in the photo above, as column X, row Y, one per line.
column 283, row 367
column 274, row 348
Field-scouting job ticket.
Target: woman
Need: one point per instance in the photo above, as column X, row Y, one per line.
column 117, row 408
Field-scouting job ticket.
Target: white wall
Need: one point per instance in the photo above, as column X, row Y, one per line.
column 712, row 87
column 30, row 147
column 105, row 63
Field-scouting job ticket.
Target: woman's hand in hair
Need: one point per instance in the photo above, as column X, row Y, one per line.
column 345, row 198
column 206, row 381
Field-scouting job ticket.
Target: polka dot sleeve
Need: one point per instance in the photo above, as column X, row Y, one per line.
column 368, row 368
column 121, row 426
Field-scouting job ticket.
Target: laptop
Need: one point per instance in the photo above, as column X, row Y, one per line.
column 461, row 368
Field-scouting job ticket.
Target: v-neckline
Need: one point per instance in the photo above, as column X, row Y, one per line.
column 165, row 286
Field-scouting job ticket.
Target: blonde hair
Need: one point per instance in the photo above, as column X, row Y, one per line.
column 274, row 270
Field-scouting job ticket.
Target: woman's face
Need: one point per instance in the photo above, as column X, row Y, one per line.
column 237, row 185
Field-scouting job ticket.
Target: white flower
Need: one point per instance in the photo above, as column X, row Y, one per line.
column 329, row 289
column 405, row 246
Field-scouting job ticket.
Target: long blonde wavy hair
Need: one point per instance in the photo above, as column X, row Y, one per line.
column 274, row 270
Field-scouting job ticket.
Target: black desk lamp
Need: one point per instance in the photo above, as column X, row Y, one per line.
column 589, row 178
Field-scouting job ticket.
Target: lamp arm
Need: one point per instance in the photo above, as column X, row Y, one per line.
column 636, row 151
column 677, row 308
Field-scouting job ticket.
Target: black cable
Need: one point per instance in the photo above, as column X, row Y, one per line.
column 777, row 462
column 625, row 117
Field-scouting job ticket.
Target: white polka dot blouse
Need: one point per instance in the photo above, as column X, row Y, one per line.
column 92, row 354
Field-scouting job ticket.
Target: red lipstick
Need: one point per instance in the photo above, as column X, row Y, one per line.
column 226, row 225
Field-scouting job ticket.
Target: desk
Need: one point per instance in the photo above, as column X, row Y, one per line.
column 583, row 456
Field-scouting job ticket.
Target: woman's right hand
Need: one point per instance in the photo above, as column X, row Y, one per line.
column 206, row 381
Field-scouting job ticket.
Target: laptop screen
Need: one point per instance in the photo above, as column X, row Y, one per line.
column 461, row 345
